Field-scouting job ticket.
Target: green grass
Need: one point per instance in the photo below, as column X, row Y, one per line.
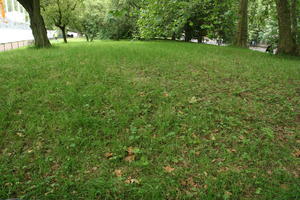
column 199, row 122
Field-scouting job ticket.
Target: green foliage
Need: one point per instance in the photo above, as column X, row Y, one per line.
column 59, row 12
column 263, row 24
column 120, row 20
column 90, row 21
column 199, row 122
column 195, row 19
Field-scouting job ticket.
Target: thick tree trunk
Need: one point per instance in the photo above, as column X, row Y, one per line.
column 36, row 22
column 63, row 30
column 188, row 33
column 241, row 38
column 294, row 19
column 287, row 43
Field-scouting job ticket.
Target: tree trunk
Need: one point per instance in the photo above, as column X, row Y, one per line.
column 173, row 36
column 294, row 19
column 36, row 22
column 87, row 37
column 63, row 30
column 200, row 38
column 287, row 44
column 188, row 33
column 241, row 37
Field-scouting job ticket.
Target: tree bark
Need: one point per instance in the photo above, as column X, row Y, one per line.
column 294, row 19
column 63, row 30
column 37, row 23
column 287, row 43
column 241, row 38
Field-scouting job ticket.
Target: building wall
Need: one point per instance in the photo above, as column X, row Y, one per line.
column 14, row 12
column 15, row 24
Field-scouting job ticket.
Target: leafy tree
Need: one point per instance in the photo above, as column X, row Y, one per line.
column 90, row 20
column 121, row 19
column 36, row 22
column 60, row 13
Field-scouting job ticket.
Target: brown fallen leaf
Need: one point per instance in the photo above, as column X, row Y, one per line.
column 130, row 150
column 269, row 172
column 297, row 153
column 166, row 94
column 131, row 180
column 169, row 169
column 118, row 172
column 108, row 155
column 130, row 158
column 189, row 182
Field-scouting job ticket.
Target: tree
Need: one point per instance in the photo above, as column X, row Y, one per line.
column 90, row 20
column 36, row 22
column 242, row 26
column 287, row 43
column 60, row 13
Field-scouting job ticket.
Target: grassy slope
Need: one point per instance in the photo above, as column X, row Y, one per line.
column 225, row 120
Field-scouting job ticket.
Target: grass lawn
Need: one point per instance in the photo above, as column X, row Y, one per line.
column 149, row 120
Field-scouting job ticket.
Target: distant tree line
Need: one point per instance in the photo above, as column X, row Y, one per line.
column 234, row 22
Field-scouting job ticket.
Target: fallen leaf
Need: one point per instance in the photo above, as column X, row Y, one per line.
column 232, row 150
column 130, row 158
column 108, row 155
column 94, row 168
column 20, row 134
column 193, row 100
column 269, row 172
column 118, row 172
column 297, row 153
column 189, row 182
column 166, row 94
column 169, row 169
column 131, row 180
column 130, row 150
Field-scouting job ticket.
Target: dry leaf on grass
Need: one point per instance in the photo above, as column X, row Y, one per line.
column 166, row 94
column 193, row 100
column 108, row 155
column 131, row 180
column 130, row 154
column 297, row 153
column 169, row 169
column 190, row 183
column 130, row 158
column 20, row 134
column 118, row 172
column 130, row 151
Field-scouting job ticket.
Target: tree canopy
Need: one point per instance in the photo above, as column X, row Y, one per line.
column 244, row 22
